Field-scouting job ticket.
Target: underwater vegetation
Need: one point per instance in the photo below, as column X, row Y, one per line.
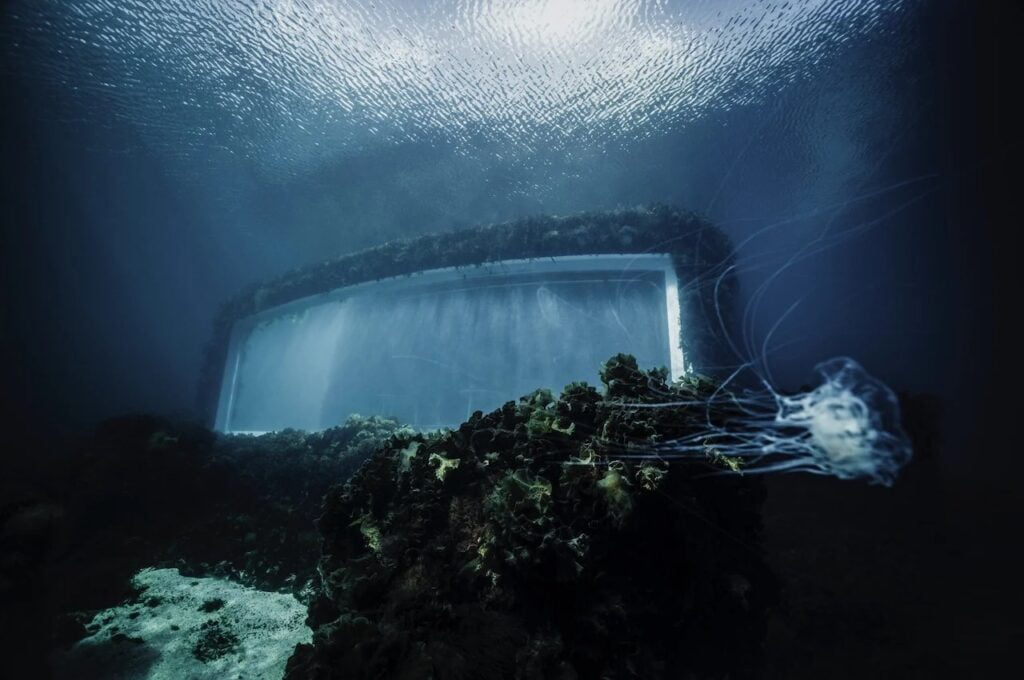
column 520, row 545
column 610, row 532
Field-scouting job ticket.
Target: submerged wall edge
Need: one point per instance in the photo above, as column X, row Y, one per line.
column 701, row 254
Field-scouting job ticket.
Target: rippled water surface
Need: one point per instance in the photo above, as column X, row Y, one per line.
column 289, row 81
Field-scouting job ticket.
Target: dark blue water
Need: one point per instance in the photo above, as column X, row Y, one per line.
column 159, row 156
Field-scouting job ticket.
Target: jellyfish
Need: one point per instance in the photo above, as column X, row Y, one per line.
column 848, row 427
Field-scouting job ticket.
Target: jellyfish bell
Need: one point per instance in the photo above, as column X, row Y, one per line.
column 850, row 424
column 840, row 430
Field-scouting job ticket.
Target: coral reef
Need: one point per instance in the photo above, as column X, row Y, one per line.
column 521, row 546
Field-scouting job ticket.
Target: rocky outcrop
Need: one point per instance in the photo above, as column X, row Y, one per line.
column 531, row 543
column 148, row 492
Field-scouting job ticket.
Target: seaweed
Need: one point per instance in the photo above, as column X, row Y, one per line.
column 520, row 546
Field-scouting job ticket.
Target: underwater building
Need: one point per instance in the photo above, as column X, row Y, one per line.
column 432, row 329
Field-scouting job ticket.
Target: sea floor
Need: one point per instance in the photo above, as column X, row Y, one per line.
column 913, row 581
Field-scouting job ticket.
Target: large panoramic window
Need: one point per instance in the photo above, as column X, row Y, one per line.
column 433, row 347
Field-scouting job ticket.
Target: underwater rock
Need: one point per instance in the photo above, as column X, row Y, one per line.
column 26, row 532
column 522, row 545
column 167, row 632
column 147, row 492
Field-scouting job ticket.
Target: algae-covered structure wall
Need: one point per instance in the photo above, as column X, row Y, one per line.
column 431, row 329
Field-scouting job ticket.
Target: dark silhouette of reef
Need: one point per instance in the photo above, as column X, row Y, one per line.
column 147, row 492
column 523, row 545
column 515, row 546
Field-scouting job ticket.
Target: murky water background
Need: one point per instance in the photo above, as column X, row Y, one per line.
column 176, row 151
column 157, row 156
